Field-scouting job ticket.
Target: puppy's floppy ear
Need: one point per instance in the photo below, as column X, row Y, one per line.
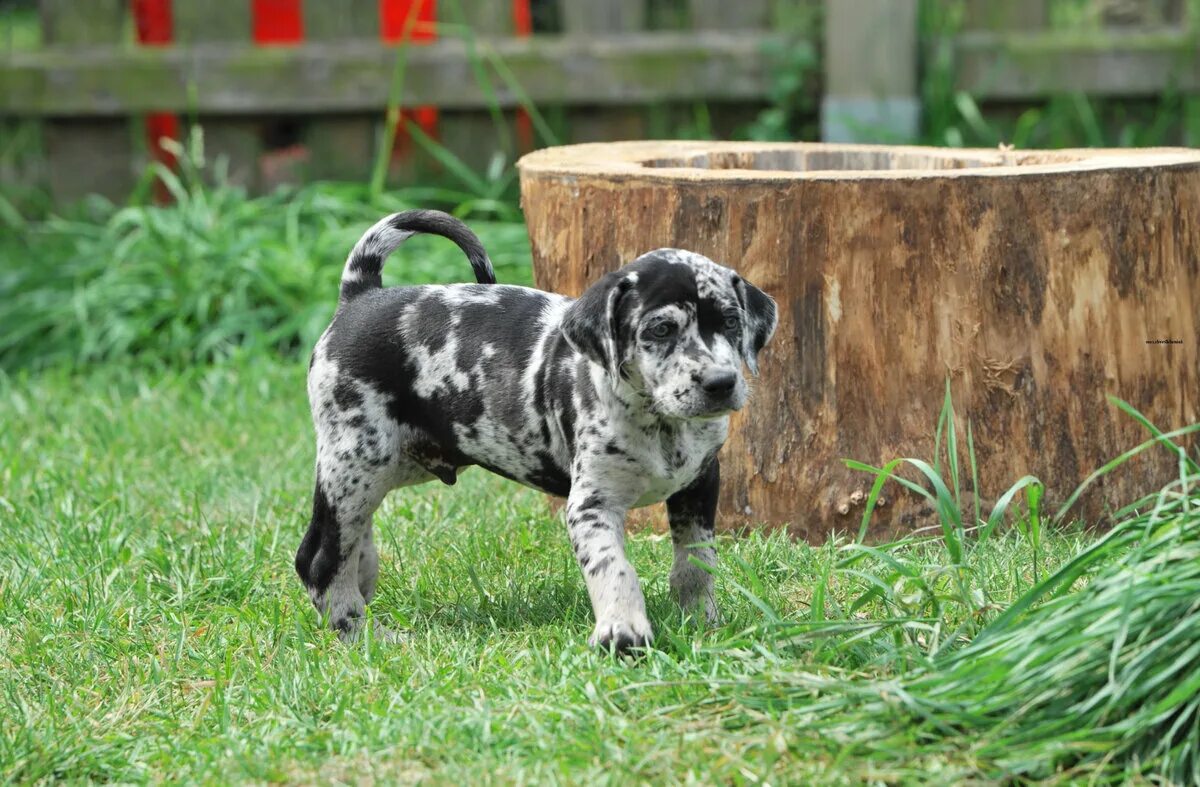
column 592, row 324
column 760, row 319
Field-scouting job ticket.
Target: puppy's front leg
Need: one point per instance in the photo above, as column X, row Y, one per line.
column 596, row 526
column 692, row 513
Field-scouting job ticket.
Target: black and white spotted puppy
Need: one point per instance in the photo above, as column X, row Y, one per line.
column 615, row 400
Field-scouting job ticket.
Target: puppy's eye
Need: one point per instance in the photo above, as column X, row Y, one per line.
column 731, row 321
column 663, row 330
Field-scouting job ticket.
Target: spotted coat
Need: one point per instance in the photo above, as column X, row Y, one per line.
column 615, row 400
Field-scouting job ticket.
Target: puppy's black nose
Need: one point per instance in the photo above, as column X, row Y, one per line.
column 719, row 383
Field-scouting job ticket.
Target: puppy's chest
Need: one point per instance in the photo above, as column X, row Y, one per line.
column 665, row 463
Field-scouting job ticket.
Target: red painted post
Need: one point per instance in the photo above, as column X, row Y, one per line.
column 278, row 22
column 155, row 27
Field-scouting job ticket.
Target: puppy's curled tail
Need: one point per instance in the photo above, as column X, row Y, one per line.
column 364, row 266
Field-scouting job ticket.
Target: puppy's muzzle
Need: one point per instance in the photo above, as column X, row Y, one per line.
column 720, row 387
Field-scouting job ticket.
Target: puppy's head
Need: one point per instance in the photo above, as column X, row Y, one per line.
column 677, row 327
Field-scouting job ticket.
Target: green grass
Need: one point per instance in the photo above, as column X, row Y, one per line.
column 151, row 625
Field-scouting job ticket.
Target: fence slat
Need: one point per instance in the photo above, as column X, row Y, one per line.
column 585, row 17
column 89, row 155
column 473, row 136
column 238, row 140
column 870, row 98
column 727, row 15
column 1009, row 15
column 75, row 23
column 342, row 146
column 636, row 68
column 588, row 18
column 1012, row 67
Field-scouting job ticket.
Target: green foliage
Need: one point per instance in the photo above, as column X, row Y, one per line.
column 795, row 67
column 216, row 272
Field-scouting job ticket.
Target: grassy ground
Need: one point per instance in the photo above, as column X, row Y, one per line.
column 151, row 624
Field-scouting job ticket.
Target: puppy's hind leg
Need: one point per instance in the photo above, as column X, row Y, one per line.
column 368, row 565
column 337, row 560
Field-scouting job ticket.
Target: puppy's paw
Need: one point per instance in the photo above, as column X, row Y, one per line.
column 700, row 607
column 621, row 636
column 353, row 630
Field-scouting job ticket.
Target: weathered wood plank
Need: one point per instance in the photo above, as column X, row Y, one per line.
column 1021, row 66
column 1009, row 15
column 342, row 147
column 726, row 15
column 478, row 137
column 349, row 76
column 585, row 17
column 91, row 155
column 204, row 21
column 870, row 98
column 72, row 22
column 237, row 140
column 486, row 18
column 668, row 15
column 326, row 21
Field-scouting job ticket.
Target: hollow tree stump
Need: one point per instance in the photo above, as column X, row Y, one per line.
column 1036, row 282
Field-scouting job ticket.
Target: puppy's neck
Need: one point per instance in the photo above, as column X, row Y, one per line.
column 623, row 398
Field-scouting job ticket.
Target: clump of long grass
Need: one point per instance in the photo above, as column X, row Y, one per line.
column 216, row 271
column 1094, row 670
column 1107, row 675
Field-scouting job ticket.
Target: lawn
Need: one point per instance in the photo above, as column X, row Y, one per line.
column 155, row 472
column 153, row 626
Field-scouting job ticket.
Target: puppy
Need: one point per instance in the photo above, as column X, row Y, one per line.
column 615, row 400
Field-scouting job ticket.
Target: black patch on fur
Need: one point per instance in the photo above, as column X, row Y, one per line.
column 598, row 317
column 433, row 326
column 760, row 312
column 345, row 394
column 697, row 502
column 599, row 566
column 591, row 502
column 318, row 557
column 662, row 282
column 710, row 320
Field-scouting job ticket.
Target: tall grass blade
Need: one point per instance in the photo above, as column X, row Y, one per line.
column 975, row 492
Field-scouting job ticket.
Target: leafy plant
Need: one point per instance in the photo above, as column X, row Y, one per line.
column 216, row 272
column 795, row 64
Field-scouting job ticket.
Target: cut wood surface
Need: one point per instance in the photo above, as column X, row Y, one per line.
column 1037, row 282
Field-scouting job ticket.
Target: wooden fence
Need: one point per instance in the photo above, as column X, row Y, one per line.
column 291, row 89
column 283, row 87
column 1001, row 51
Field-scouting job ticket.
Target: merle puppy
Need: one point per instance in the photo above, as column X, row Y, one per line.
column 616, row 400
